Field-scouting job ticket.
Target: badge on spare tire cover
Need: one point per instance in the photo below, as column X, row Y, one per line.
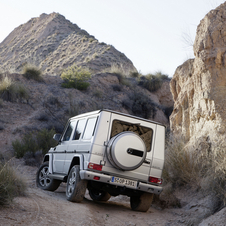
column 126, row 151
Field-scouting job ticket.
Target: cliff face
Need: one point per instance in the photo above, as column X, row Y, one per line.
column 53, row 43
column 199, row 85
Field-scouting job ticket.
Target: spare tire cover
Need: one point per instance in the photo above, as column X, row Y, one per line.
column 126, row 151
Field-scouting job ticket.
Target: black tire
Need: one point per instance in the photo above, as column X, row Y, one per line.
column 76, row 187
column 97, row 195
column 141, row 203
column 43, row 180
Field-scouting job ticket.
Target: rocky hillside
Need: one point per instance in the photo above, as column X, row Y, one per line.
column 199, row 86
column 53, row 43
column 49, row 105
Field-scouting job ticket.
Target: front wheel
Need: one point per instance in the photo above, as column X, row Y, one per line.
column 141, row 203
column 43, row 180
column 97, row 195
column 76, row 187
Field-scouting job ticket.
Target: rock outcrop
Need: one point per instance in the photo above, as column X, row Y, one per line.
column 53, row 43
column 199, row 85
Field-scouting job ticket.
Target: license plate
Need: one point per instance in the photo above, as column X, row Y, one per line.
column 122, row 181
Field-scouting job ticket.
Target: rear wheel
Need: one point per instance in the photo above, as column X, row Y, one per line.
column 43, row 180
column 141, row 203
column 76, row 187
column 97, row 195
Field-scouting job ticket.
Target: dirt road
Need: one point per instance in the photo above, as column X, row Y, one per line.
column 51, row 208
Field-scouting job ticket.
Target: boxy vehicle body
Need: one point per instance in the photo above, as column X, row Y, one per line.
column 110, row 153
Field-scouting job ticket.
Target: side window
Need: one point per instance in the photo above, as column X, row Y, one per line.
column 80, row 128
column 90, row 127
column 69, row 130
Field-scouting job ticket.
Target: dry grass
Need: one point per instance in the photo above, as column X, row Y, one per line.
column 11, row 90
column 119, row 70
column 32, row 72
column 11, row 185
column 202, row 169
column 76, row 77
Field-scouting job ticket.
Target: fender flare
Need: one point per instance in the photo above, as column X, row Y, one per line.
column 49, row 158
column 78, row 159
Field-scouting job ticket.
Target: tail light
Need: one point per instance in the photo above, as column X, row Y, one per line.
column 95, row 166
column 155, row 180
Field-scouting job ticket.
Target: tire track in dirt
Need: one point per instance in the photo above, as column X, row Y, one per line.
column 46, row 208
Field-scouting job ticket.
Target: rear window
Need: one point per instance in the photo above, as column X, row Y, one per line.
column 144, row 132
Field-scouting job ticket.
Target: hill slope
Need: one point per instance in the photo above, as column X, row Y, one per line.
column 53, row 43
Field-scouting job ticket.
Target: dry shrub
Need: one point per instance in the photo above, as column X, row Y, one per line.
column 153, row 82
column 76, row 77
column 121, row 70
column 11, row 185
column 180, row 164
column 202, row 168
column 12, row 91
column 32, row 72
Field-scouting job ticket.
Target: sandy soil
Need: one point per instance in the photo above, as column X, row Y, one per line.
column 51, row 208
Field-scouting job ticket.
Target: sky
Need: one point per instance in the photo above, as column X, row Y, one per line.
column 154, row 35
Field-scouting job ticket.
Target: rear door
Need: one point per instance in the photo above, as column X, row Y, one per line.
column 146, row 131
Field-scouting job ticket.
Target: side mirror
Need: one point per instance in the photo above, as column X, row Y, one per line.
column 57, row 137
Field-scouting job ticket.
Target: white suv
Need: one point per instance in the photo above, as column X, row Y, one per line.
column 108, row 153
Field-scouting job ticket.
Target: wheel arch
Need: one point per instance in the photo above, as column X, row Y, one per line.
column 77, row 160
column 46, row 158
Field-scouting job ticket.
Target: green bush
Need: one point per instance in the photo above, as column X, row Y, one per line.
column 76, row 77
column 45, row 140
column 27, row 144
column 11, row 91
column 11, row 185
column 153, row 82
column 32, row 72
column 33, row 142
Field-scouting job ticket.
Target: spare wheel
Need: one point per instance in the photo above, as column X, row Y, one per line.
column 126, row 151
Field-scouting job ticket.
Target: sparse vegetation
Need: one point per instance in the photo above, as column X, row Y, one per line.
column 203, row 169
column 140, row 105
column 11, row 185
column 116, row 87
column 33, row 142
column 98, row 93
column 76, row 77
column 153, row 82
column 120, row 70
column 11, row 90
column 32, row 72
column 123, row 80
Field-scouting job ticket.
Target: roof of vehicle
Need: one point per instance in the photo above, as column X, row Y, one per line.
column 115, row 112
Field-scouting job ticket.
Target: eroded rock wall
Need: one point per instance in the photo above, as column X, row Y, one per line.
column 199, row 85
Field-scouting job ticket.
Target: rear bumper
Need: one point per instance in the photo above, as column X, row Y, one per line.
column 89, row 175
